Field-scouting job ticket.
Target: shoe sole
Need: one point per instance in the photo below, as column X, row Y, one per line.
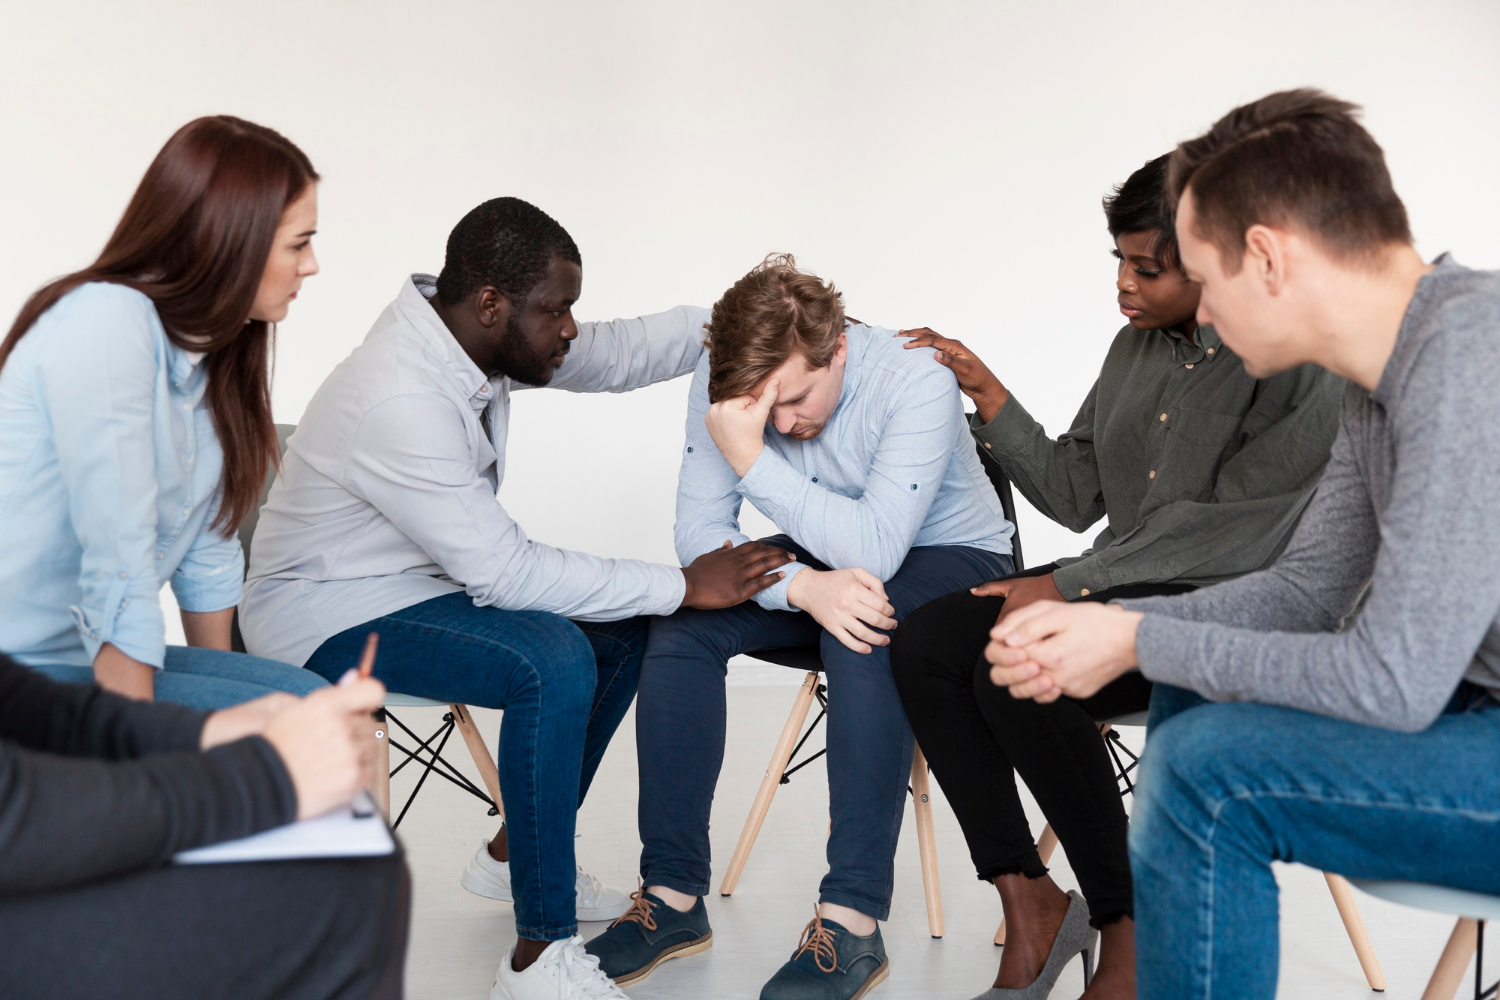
column 479, row 888
column 876, row 978
column 679, row 951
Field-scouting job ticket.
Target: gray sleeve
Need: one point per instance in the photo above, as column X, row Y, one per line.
column 1431, row 600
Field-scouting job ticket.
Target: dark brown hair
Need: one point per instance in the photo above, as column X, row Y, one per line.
column 195, row 239
column 1299, row 159
column 766, row 316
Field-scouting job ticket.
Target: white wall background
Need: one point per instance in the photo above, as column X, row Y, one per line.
column 942, row 162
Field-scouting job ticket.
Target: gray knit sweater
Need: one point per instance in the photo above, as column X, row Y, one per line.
column 1408, row 507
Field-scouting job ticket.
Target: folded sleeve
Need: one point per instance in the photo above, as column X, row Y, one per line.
column 102, row 428
column 624, row 354
column 212, row 572
column 410, row 459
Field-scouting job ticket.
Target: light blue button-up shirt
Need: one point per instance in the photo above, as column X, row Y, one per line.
column 894, row 468
column 109, row 480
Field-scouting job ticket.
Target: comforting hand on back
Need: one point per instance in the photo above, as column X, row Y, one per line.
column 847, row 603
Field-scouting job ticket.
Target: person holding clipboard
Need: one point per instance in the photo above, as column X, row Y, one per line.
column 99, row 792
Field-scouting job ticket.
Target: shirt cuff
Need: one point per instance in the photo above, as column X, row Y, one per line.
column 212, row 589
column 1080, row 579
column 771, row 484
column 1010, row 430
column 135, row 628
column 774, row 597
column 668, row 588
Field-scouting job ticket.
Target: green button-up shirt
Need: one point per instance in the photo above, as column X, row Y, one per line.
column 1201, row 470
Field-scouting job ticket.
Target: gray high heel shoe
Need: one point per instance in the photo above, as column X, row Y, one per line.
column 1074, row 937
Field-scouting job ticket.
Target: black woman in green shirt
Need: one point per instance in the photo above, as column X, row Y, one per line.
column 1200, row 472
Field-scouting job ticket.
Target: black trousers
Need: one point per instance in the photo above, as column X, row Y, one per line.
column 300, row 930
column 977, row 738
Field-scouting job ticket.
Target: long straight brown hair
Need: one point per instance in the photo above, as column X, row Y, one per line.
column 195, row 239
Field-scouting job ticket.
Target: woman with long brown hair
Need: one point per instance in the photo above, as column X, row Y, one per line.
column 135, row 423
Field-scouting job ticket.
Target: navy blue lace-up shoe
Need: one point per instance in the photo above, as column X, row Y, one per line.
column 830, row 964
column 648, row 934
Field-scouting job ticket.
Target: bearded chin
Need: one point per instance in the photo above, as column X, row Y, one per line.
column 518, row 362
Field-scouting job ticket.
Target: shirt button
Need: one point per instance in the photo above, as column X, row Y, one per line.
column 187, row 406
column 122, row 576
column 1151, row 474
column 1189, row 365
column 190, row 459
column 1210, row 352
column 815, row 478
column 1163, row 418
column 988, row 446
column 1084, row 592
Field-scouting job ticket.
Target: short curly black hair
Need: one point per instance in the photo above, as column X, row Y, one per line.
column 1140, row 206
column 505, row 242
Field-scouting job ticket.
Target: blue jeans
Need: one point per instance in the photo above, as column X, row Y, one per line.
column 209, row 678
column 681, row 718
column 1226, row 789
column 564, row 687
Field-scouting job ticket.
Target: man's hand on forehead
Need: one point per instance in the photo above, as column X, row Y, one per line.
column 738, row 426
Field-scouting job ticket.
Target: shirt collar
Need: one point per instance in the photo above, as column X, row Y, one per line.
column 418, row 313
column 184, row 364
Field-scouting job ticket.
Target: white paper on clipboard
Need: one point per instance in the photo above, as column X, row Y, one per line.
column 357, row 830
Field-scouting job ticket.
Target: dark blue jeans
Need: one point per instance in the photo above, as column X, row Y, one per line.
column 1226, row 789
column 564, row 687
column 681, row 717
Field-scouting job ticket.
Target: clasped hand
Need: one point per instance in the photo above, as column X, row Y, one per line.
column 849, row 603
column 1050, row 648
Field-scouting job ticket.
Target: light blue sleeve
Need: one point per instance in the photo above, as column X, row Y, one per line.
column 875, row 531
column 708, row 498
column 623, row 354
column 101, row 421
column 211, row 575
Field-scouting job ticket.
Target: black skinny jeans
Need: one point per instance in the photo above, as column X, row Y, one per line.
column 326, row 929
column 976, row 738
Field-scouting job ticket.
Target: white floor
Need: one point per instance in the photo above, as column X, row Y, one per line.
column 457, row 938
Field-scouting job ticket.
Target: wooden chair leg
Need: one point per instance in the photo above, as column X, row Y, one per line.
column 1343, row 898
column 927, row 843
column 1449, row 974
column 769, row 783
column 1046, row 844
column 480, row 751
column 381, row 790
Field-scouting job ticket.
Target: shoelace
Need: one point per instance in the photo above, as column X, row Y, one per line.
column 582, row 977
column 639, row 912
column 820, row 941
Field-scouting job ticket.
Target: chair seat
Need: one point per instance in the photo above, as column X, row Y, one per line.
column 796, row 657
column 394, row 700
column 1129, row 719
column 1437, row 898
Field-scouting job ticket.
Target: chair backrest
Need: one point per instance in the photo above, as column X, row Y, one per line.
column 247, row 527
column 1001, row 483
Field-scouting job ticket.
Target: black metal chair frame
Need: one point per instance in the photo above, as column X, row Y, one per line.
column 433, row 763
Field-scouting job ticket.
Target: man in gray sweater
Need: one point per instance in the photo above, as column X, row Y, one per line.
column 1355, row 724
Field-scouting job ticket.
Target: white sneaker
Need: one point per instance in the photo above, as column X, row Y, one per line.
column 594, row 900
column 563, row 972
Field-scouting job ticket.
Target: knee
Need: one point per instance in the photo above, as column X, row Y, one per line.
column 1183, row 774
column 916, row 641
column 565, row 673
column 688, row 632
